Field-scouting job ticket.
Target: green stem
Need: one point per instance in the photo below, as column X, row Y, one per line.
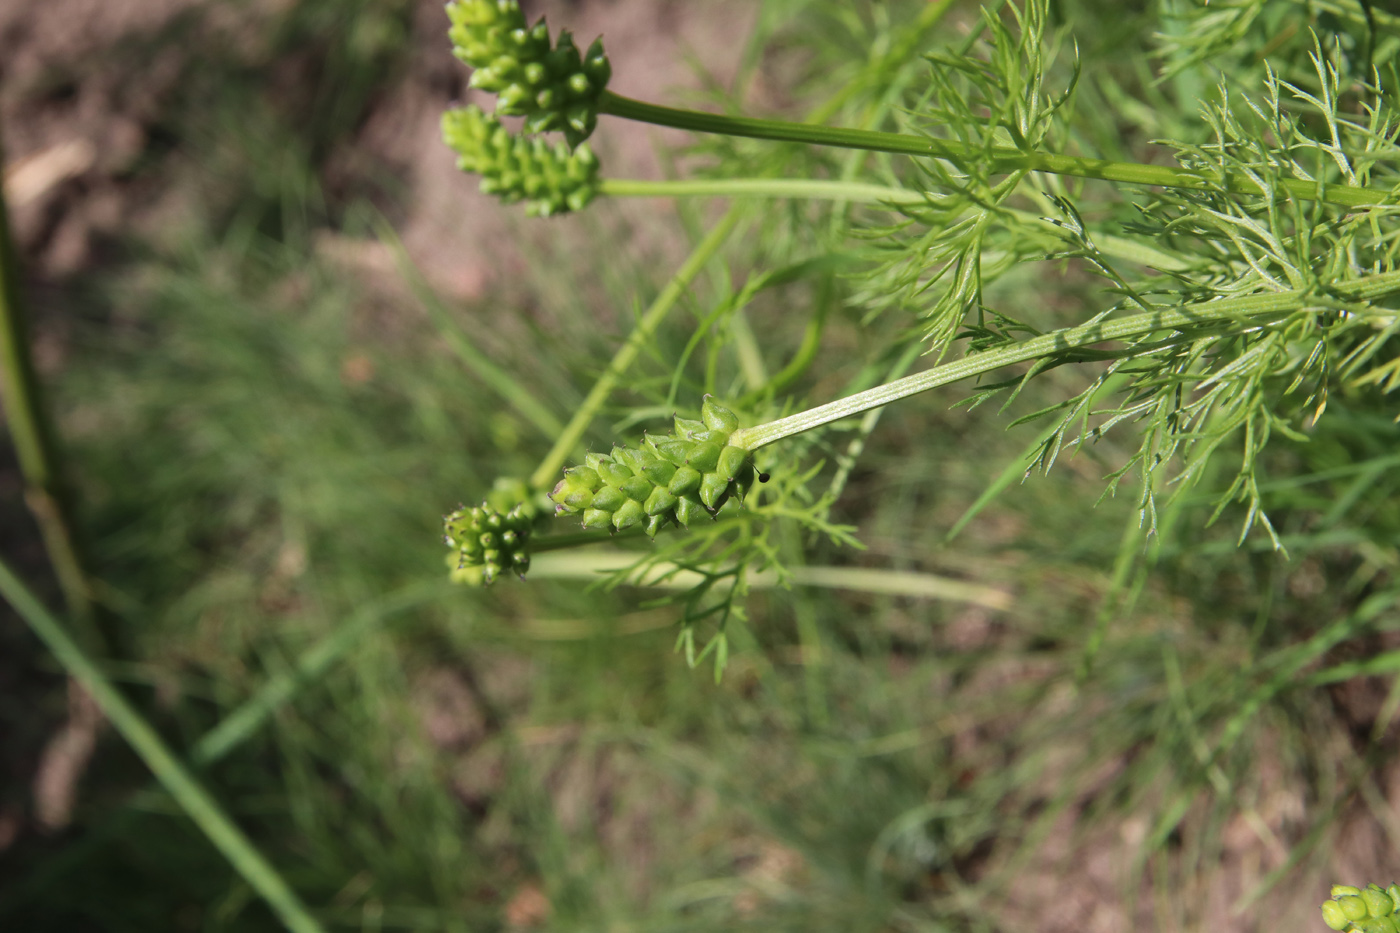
column 833, row 190
column 816, row 188
column 177, row 780
column 1251, row 309
column 34, row 441
column 564, row 446
column 1003, row 160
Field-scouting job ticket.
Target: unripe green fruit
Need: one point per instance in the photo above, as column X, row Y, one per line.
column 695, row 472
column 1342, row 890
column 1353, row 906
column 1333, row 916
column 1378, row 903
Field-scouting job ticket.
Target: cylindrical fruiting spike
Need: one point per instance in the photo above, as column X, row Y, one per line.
column 483, row 540
column 677, row 479
column 551, row 180
column 553, row 88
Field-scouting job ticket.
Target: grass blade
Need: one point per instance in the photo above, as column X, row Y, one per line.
column 174, row 776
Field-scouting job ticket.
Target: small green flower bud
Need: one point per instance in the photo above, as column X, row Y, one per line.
column 638, row 488
column 632, row 458
column 688, row 509
column 1378, row 925
column 1333, row 916
column 686, row 428
column 613, row 473
column 1342, row 890
column 1394, row 892
column 704, row 458
column 631, row 513
column 609, row 498
column 596, row 518
column 731, row 461
column 685, row 481
column 654, row 524
column 660, row 501
column 717, row 417
column 1353, row 906
column 712, row 490
column 673, row 450
column 1378, row 903
column 659, row 472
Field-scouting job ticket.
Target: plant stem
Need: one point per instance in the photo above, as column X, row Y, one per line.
column 822, row 189
column 834, row 190
column 1003, row 160
column 1251, row 309
column 564, row 445
column 34, row 441
column 177, row 780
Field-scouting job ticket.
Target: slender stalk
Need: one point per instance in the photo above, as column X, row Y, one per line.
column 1252, row 309
column 816, row 188
column 835, row 190
column 568, row 439
column 197, row 803
column 34, row 440
column 1003, row 160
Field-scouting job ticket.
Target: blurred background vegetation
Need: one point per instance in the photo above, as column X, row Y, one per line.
column 250, row 262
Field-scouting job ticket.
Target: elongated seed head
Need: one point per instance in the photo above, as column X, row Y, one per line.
column 549, row 179
column 553, row 87
column 692, row 473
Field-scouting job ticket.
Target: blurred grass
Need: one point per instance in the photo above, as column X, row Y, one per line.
column 264, row 442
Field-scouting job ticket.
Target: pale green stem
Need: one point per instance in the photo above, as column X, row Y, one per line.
column 1248, row 309
column 591, row 565
column 564, row 445
column 833, row 190
column 197, row 803
column 1001, row 160
column 761, row 188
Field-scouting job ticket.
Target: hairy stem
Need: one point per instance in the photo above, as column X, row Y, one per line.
column 1249, row 309
column 564, row 445
column 1003, row 160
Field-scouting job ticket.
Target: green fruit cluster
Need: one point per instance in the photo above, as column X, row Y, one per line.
column 551, row 179
column 553, row 88
column 678, row 478
column 487, row 542
column 1368, row 910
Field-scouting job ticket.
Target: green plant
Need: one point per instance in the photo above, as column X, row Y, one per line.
column 1247, row 286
